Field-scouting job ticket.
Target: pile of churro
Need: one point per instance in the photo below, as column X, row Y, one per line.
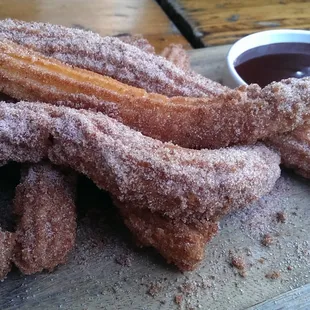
column 175, row 150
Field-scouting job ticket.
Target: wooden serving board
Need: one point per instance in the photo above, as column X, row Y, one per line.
column 106, row 270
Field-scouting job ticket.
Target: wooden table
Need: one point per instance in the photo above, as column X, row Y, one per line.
column 216, row 22
column 102, row 16
column 91, row 281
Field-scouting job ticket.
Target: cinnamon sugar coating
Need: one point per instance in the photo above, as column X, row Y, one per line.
column 294, row 148
column 135, row 168
column 7, row 243
column 184, row 191
column 176, row 54
column 240, row 116
column 108, row 56
column 171, row 198
column 46, row 228
column 138, row 41
column 179, row 243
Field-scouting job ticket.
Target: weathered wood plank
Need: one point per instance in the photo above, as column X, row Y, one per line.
column 105, row 17
column 297, row 299
column 221, row 22
column 210, row 62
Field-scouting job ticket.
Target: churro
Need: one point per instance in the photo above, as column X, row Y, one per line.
column 139, row 42
column 192, row 186
column 178, row 242
column 240, row 116
column 46, row 226
column 108, row 56
column 176, row 54
column 7, row 243
column 294, row 148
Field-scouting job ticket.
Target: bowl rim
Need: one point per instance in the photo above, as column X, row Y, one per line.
column 259, row 39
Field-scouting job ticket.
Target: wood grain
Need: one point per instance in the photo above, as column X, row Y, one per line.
column 297, row 299
column 103, row 16
column 216, row 22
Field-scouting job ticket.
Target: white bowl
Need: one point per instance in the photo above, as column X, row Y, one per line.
column 231, row 77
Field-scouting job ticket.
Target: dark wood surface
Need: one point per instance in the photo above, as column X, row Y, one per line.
column 214, row 22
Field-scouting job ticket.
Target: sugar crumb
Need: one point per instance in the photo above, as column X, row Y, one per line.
column 273, row 275
column 267, row 240
column 281, row 217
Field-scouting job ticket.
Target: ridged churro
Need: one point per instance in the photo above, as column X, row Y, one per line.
column 7, row 244
column 171, row 198
column 180, row 243
column 192, row 186
column 294, row 148
column 235, row 117
column 108, row 56
column 46, row 226
column 176, row 54
column 139, row 42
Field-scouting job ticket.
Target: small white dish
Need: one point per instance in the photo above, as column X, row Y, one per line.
column 231, row 77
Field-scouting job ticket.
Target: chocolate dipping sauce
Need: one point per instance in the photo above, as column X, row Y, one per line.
column 274, row 62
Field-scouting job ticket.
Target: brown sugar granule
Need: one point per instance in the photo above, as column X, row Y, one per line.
column 267, row 240
column 281, row 217
column 273, row 275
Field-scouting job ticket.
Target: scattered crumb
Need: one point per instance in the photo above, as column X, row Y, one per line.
column 178, row 299
column 124, row 260
column 239, row 263
column 281, row 217
column 261, row 260
column 248, row 252
column 242, row 273
column 187, row 288
column 289, row 268
column 267, row 240
column 273, row 275
column 154, row 289
column 259, row 219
